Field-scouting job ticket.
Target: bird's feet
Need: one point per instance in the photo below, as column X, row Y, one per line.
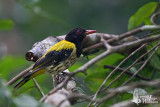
column 60, row 77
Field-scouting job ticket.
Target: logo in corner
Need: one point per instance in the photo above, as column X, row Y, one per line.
column 145, row 99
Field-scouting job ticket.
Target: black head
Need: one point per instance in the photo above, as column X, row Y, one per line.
column 78, row 34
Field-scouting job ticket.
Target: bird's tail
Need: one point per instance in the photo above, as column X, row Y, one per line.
column 29, row 76
column 25, row 79
column 20, row 83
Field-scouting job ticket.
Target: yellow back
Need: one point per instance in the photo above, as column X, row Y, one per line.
column 62, row 45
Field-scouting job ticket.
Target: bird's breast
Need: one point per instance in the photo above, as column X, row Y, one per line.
column 63, row 65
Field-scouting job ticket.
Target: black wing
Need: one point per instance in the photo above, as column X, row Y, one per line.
column 52, row 58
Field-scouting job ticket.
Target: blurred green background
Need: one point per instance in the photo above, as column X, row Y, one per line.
column 29, row 21
column 24, row 22
column 34, row 20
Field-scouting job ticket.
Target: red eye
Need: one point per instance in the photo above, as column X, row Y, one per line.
column 79, row 32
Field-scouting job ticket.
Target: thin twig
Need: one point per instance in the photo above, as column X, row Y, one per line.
column 38, row 87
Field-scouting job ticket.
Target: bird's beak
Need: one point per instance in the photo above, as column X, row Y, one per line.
column 90, row 32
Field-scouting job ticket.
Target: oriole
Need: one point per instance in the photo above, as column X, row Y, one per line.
column 59, row 57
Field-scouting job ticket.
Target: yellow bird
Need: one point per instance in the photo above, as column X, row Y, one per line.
column 59, row 57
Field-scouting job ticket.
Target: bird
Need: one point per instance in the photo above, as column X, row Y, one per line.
column 59, row 57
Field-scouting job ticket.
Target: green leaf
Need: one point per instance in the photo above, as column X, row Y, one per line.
column 141, row 15
column 6, row 24
column 133, row 69
column 147, row 21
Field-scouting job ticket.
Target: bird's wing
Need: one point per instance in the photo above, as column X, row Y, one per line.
column 57, row 53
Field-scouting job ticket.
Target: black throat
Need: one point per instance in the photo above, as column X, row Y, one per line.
column 77, row 40
column 78, row 49
column 78, row 44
